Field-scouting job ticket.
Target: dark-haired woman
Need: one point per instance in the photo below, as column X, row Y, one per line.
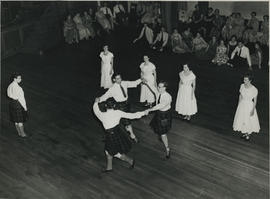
column 117, row 142
column 17, row 105
column 232, row 45
column 246, row 119
column 186, row 103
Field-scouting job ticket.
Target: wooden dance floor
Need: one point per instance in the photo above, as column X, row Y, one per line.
column 64, row 156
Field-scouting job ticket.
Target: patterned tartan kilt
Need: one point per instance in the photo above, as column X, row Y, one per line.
column 16, row 112
column 124, row 106
column 161, row 122
column 117, row 140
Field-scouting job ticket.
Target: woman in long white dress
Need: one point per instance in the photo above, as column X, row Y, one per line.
column 186, row 103
column 148, row 73
column 106, row 68
column 246, row 119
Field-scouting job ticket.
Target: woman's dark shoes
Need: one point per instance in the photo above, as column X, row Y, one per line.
column 168, row 154
column 133, row 164
column 106, row 170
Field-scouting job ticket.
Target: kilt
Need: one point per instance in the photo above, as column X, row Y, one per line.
column 117, row 140
column 125, row 107
column 161, row 122
column 16, row 112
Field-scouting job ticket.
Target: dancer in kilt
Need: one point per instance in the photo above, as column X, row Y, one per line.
column 17, row 104
column 117, row 143
column 119, row 91
column 162, row 120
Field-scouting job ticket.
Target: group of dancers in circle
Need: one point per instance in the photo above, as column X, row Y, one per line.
column 113, row 107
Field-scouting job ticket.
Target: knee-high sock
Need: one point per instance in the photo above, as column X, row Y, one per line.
column 164, row 139
column 109, row 161
column 130, row 130
column 22, row 130
column 126, row 158
column 18, row 129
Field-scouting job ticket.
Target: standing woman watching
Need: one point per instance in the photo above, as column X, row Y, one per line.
column 106, row 68
column 246, row 119
column 186, row 103
column 17, row 104
column 148, row 90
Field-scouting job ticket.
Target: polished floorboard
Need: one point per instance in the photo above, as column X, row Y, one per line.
column 64, row 156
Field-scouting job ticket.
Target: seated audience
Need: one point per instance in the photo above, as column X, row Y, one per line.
column 221, row 55
column 231, row 45
column 199, row 46
column 119, row 13
column 70, row 31
column 108, row 14
column 217, row 25
column 240, row 56
column 188, row 37
column 103, row 21
column 178, row 45
column 146, row 36
column 211, row 49
column 83, row 31
column 161, row 40
column 88, row 23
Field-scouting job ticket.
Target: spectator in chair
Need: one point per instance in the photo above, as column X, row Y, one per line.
column 240, row 56
column 161, row 40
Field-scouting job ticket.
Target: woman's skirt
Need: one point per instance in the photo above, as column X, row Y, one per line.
column 117, row 140
column 161, row 122
column 17, row 112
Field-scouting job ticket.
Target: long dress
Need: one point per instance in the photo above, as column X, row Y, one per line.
column 106, row 67
column 147, row 94
column 178, row 45
column 221, row 56
column 243, row 122
column 184, row 104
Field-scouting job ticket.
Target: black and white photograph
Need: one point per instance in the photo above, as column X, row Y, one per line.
column 134, row 99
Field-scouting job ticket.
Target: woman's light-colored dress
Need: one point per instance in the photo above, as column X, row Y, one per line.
column 184, row 104
column 221, row 56
column 243, row 122
column 106, row 67
column 147, row 73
